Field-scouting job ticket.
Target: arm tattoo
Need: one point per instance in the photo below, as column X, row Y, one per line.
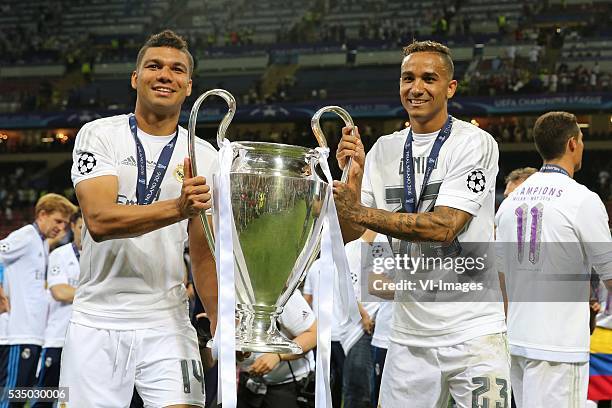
column 442, row 225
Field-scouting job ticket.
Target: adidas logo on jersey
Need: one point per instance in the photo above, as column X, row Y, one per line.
column 131, row 161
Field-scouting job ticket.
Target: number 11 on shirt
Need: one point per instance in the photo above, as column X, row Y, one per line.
column 522, row 213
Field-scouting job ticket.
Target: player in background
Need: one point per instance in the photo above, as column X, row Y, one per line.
column 432, row 182
column 550, row 231
column 271, row 379
column 130, row 325
column 337, row 356
column 358, row 387
column 516, row 177
column 62, row 280
column 24, row 254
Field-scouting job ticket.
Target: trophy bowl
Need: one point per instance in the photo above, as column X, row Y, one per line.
column 278, row 207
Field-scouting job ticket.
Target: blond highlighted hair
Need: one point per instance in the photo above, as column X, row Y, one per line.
column 52, row 202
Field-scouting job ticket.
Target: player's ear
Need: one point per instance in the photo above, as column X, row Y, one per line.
column 452, row 88
column 134, row 79
column 189, row 84
column 572, row 144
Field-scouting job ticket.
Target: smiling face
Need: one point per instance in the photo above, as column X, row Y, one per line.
column 162, row 80
column 425, row 87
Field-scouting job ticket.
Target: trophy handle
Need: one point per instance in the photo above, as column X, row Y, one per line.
column 316, row 129
column 231, row 103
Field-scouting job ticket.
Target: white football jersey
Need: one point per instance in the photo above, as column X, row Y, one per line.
column 63, row 269
column 382, row 328
column 24, row 254
column 311, row 285
column 463, row 178
column 133, row 282
column 359, row 266
column 550, row 231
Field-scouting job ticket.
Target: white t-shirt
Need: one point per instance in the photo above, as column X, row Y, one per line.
column 550, row 231
column 463, row 178
column 359, row 268
column 297, row 317
column 63, row 269
column 311, row 284
column 382, row 328
column 24, row 255
column 133, row 282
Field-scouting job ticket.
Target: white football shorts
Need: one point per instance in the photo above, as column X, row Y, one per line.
column 101, row 367
column 475, row 373
column 538, row 383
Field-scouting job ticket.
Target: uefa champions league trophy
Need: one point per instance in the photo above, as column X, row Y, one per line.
column 278, row 209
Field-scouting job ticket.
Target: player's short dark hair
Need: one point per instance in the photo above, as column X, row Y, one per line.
column 520, row 174
column 551, row 132
column 166, row 38
column 432, row 46
column 76, row 216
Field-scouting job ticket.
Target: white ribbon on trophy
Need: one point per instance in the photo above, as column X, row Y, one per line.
column 226, row 322
column 333, row 259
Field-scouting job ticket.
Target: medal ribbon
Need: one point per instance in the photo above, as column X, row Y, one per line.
column 410, row 200
column 146, row 194
column 553, row 168
column 76, row 251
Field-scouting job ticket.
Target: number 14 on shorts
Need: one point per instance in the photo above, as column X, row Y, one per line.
column 192, row 367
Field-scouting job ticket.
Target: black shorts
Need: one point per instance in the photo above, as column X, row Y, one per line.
column 49, row 373
column 18, row 367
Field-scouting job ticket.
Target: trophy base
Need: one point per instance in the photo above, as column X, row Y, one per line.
column 257, row 332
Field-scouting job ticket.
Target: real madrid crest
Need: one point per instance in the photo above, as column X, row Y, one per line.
column 179, row 173
column 26, row 353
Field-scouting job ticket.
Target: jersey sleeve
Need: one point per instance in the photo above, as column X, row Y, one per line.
column 14, row 246
column 57, row 269
column 93, row 155
column 594, row 232
column 297, row 316
column 471, row 174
